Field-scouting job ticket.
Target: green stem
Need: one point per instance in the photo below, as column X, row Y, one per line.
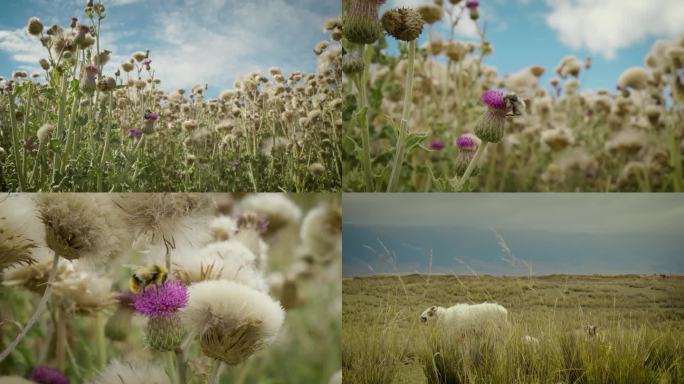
column 56, row 166
column 15, row 144
column 105, row 148
column 676, row 160
column 29, row 99
column 364, row 124
column 100, row 340
column 39, row 311
column 403, row 126
column 471, row 166
column 215, row 377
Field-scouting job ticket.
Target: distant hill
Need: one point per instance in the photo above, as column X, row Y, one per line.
column 546, row 252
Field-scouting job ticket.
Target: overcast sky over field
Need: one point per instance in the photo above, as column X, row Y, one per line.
column 553, row 233
column 617, row 34
column 192, row 41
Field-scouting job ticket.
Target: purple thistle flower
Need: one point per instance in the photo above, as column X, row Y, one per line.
column 466, row 143
column 147, row 62
column 162, row 300
column 472, row 4
column 135, row 133
column 74, row 19
column 149, row 115
column 437, row 145
column 47, row 375
column 493, row 99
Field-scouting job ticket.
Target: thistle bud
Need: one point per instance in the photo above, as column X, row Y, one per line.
column 87, row 81
column 490, row 127
column 34, row 26
column 467, row 145
column 361, row 24
column 430, row 13
column 44, row 64
column 403, row 23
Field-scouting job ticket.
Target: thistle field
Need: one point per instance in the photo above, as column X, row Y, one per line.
column 84, row 123
column 412, row 100
column 639, row 319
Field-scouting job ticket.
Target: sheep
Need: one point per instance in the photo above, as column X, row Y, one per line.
column 466, row 316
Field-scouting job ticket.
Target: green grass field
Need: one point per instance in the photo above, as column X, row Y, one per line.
column 640, row 322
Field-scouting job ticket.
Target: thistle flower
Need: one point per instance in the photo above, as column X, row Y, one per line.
column 160, row 215
column 569, row 65
column 45, row 132
column 223, row 228
column 106, row 84
column 79, row 225
column 118, row 372
column 149, row 119
column 139, row 56
column 160, row 305
column 321, row 231
column 490, row 127
column 88, row 79
column 361, row 24
column 16, row 248
column 467, row 145
column 82, row 290
column 430, row 13
column 472, row 4
column 634, row 77
column 278, row 209
column 627, row 142
column 403, row 23
column 135, row 133
column 127, row 66
column 233, row 321
column 317, row 169
column 34, row 26
column 437, row 145
column 558, row 138
column 47, row 375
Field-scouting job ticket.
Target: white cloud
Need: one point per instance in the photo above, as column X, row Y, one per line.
column 20, row 46
column 604, row 27
column 217, row 41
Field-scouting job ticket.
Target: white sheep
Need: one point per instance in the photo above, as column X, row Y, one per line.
column 466, row 316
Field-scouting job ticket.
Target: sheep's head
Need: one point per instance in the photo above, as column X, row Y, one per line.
column 428, row 314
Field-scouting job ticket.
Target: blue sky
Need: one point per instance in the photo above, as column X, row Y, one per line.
column 553, row 233
column 617, row 34
column 191, row 41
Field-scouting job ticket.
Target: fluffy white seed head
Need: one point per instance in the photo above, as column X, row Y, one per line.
column 233, row 321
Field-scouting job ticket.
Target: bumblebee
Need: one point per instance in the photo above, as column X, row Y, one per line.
column 514, row 104
column 143, row 277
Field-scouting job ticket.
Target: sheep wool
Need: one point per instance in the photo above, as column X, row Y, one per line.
column 233, row 321
column 461, row 317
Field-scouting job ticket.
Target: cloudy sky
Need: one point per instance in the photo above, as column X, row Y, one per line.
column 191, row 41
column 617, row 34
column 553, row 233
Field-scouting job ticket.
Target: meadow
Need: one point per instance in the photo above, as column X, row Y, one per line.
column 425, row 112
column 83, row 123
column 252, row 291
column 639, row 339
